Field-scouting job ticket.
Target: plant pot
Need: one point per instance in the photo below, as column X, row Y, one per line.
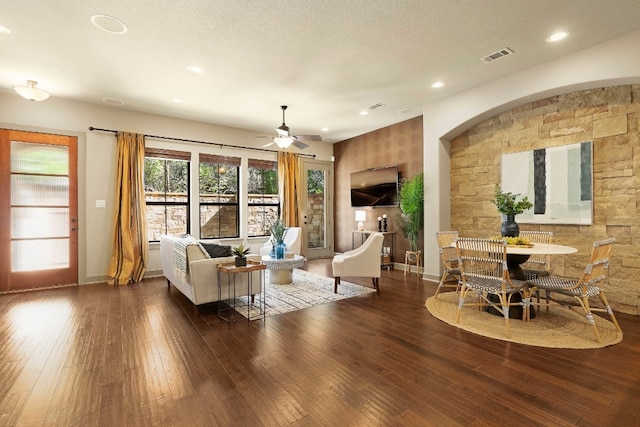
column 510, row 227
column 241, row 261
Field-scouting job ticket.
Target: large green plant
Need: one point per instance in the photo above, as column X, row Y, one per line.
column 411, row 199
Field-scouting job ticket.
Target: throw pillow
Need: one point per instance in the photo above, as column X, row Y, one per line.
column 215, row 250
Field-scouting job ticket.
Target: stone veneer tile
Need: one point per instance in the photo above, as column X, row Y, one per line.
column 611, row 126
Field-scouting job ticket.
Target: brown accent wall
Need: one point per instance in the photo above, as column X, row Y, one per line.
column 607, row 116
column 399, row 144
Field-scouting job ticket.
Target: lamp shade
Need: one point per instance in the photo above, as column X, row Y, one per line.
column 361, row 217
column 31, row 91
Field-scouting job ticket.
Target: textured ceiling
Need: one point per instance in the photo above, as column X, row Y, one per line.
column 327, row 60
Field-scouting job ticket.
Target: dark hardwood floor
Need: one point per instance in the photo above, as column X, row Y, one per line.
column 139, row 355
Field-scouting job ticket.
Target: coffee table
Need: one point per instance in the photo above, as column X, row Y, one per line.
column 281, row 270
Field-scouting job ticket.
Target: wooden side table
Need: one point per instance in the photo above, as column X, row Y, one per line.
column 409, row 258
column 232, row 271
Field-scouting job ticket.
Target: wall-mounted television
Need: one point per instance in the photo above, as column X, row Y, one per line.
column 375, row 187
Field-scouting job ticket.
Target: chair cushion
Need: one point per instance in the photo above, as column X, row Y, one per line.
column 565, row 286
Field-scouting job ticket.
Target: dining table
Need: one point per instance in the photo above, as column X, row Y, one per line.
column 518, row 254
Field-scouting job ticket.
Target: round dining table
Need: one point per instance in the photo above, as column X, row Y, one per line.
column 518, row 254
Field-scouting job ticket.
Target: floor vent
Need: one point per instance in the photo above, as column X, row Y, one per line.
column 497, row 55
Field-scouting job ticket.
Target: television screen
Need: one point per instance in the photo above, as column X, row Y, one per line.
column 375, row 187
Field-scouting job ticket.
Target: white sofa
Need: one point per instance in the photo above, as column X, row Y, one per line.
column 199, row 282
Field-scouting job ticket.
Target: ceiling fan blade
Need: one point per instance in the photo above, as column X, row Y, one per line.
column 308, row 137
column 259, row 136
column 268, row 144
column 300, row 145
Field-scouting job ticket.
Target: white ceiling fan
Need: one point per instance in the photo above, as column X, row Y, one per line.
column 284, row 138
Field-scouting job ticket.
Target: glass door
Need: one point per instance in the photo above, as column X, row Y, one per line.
column 38, row 232
column 317, row 205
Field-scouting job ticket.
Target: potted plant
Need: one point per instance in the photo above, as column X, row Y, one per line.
column 240, row 252
column 278, row 231
column 509, row 205
column 411, row 200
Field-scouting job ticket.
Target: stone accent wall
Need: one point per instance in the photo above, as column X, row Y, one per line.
column 610, row 117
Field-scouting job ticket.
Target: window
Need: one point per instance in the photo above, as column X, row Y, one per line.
column 219, row 214
column 166, row 186
column 264, row 201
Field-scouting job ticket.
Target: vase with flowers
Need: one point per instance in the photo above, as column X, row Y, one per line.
column 509, row 206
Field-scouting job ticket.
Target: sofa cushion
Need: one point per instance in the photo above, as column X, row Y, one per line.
column 215, row 250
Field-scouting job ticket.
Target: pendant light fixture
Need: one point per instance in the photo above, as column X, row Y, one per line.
column 31, row 91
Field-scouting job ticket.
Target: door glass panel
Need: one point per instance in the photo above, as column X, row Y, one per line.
column 34, row 190
column 35, row 255
column 40, row 222
column 316, row 220
column 28, row 157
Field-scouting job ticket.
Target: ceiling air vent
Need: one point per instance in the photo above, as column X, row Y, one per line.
column 375, row 106
column 497, row 55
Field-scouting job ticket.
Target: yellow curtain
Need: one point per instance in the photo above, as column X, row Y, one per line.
column 288, row 182
column 129, row 252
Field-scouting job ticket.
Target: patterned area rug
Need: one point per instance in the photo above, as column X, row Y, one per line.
column 307, row 290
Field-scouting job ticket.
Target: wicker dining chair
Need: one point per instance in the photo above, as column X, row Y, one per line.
column 586, row 287
column 537, row 265
column 483, row 269
column 449, row 257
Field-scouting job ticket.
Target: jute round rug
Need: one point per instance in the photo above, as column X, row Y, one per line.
column 561, row 327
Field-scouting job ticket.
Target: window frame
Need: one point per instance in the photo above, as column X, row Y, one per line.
column 263, row 165
column 170, row 155
column 226, row 162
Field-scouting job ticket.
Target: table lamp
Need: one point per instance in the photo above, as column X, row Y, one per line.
column 361, row 217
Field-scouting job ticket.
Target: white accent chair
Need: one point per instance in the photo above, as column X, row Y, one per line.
column 363, row 261
column 292, row 238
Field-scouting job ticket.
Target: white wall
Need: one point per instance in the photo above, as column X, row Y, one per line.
column 96, row 158
column 612, row 63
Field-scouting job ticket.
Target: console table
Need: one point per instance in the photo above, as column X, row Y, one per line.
column 385, row 262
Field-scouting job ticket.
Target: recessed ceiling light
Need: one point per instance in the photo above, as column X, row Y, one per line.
column 437, row 85
column 4, row 30
column 364, row 113
column 109, row 24
column 406, row 111
column 325, row 129
column 556, row 37
column 195, row 69
column 113, row 101
column 177, row 100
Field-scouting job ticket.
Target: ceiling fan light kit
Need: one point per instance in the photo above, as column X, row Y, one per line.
column 283, row 142
column 284, row 139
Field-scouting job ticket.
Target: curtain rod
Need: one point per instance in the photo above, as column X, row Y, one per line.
column 91, row 128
